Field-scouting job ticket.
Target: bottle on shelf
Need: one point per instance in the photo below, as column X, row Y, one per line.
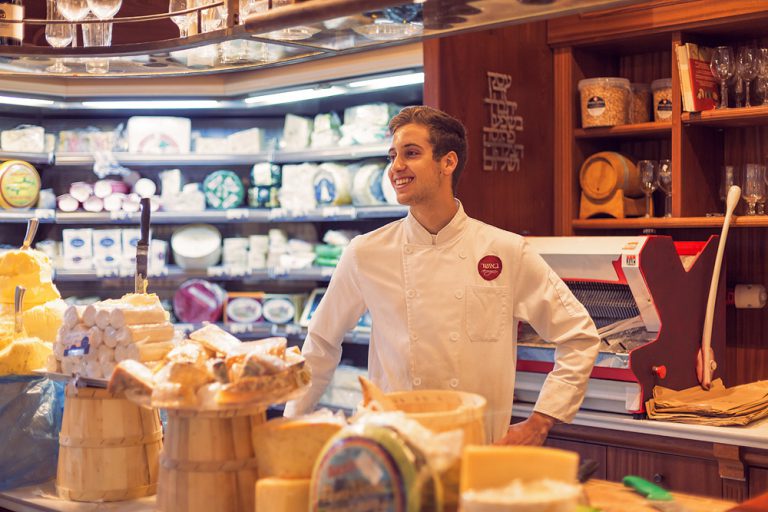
column 11, row 22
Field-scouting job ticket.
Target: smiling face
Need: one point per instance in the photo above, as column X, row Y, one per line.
column 417, row 177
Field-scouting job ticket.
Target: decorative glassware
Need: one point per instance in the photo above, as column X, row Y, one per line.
column 722, row 67
column 73, row 10
column 647, row 170
column 753, row 186
column 727, row 180
column 664, row 180
column 97, row 34
column 747, row 67
column 58, row 35
column 762, row 73
column 183, row 21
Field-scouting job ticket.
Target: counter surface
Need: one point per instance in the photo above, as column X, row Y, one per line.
column 754, row 435
column 608, row 496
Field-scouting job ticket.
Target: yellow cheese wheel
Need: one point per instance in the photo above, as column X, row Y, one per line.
column 485, row 467
column 287, row 448
column 19, row 184
column 24, row 355
column 273, row 494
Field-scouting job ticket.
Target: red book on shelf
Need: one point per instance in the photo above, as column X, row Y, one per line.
column 702, row 88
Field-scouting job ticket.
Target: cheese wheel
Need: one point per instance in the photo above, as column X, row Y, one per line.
column 274, row 494
column 223, row 190
column 19, row 184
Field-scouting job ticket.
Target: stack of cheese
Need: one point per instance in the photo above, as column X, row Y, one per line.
column 93, row 338
column 42, row 310
column 286, row 451
column 213, row 370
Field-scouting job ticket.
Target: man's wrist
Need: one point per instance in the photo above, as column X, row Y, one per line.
column 542, row 421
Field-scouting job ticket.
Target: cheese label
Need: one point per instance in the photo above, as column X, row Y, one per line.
column 358, row 473
column 489, row 267
column 19, row 184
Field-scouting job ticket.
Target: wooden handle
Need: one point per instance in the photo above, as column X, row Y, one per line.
column 707, row 358
column 32, row 225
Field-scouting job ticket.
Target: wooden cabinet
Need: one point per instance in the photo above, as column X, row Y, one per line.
column 713, row 469
column 637, row 42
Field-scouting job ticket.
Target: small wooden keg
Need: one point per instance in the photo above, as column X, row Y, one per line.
column 208, row 461
column 108, row 447
column 610, row 185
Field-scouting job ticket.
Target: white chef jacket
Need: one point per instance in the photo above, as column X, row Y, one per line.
column 438, row 324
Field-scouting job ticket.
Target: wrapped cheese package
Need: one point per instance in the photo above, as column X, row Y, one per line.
column 198, row 300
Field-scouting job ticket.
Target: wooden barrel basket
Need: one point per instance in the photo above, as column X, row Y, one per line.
column 208, row 461
column 108, row 447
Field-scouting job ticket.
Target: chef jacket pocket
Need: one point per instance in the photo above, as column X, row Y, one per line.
column 486, row 312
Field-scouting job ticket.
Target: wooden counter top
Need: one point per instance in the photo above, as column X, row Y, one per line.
column 614, row 497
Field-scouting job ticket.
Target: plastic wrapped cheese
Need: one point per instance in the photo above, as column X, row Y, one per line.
column 333, row 184
column 198, row 300
column 223, row 190
column 366, row 185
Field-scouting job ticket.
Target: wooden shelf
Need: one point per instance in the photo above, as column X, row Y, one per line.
column 728, row 117
column 743, row 221
column 627, row 131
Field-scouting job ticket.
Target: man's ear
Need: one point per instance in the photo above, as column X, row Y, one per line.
column 449, row 162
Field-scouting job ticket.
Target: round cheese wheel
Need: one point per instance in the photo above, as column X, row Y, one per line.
column 223, row 190
column 19, row 184
column 244, row 310
column 366, row 185
column 278, row 310
column 198, row 300
column 196, row 246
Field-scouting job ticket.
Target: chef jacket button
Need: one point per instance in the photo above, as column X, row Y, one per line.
column 410, row 294
column 454, row 383
column 417, row 381
column 408, row 249
column 459, row 294
column 462, row 255
column 415, row 337
column 454, row 336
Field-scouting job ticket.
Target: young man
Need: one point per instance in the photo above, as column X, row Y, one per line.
column 446, row 292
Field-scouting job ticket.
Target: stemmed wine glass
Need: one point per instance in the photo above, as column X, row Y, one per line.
column 212, row 18
column 58, row 35
column 746, row 66
column 183, row 21
column 728, row 179
column 722, row 67
column 753, row 186
column 648, row 179
column 73, row 10
column 762, row 72
column 664, row 180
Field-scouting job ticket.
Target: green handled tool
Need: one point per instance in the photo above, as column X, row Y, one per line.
column 657, row 497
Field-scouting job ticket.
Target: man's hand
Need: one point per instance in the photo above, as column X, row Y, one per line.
column 531, row 432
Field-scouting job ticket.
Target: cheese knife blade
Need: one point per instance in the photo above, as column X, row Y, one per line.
column 142, row 249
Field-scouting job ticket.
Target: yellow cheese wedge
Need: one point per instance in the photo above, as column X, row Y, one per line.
column 43, row 321
column 273, row 494
column 30, row 269
column 485, row 467
column 24, row 355
column 7, row 333
column 288, row 448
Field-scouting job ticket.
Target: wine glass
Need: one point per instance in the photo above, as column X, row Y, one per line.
column 753, row 186
column 73, row 10
column 212, row 18
column 664, row 180
column 722, row 67
column 728, row 179
column 648, row 179
column 183, row 21
column 58, row 35
column 747, row 65
column 762, row 72
column 105, row 9
column 97, row 34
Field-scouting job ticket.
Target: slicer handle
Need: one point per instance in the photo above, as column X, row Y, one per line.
column 32, row 225
column 706, row 358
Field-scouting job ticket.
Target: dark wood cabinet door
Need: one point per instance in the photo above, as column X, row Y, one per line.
column 673, row 472
column 585, row 451
column 758, row 481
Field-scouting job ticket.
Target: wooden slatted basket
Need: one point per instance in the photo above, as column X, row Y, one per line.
column 208, row 461
column 109, row 447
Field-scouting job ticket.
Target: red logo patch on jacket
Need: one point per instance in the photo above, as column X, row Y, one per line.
column 489, row 267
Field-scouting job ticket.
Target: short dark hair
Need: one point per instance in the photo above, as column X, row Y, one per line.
column 446, row 133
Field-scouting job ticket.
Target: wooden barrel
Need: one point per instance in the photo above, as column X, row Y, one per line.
column 108, row 447
column 442, row 411
column 208, row 461
column 602, row 174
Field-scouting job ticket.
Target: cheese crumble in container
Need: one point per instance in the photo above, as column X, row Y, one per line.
column 662, row 99
column 604, row 101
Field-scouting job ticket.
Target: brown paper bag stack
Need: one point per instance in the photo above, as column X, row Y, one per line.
column 719, row 406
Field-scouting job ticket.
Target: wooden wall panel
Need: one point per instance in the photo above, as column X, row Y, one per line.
column 456, row 81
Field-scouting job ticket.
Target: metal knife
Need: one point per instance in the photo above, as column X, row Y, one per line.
column 142, row 249
column 657, row 497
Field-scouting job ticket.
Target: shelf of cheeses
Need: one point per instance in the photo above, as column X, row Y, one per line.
column 264, row 330
column 215, row 273
column 265, row 215
column 62, row 159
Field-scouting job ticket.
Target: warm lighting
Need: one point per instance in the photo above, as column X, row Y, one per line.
column 297, row 95
column 152, row 104
column 26, row 102
column 388, row 82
